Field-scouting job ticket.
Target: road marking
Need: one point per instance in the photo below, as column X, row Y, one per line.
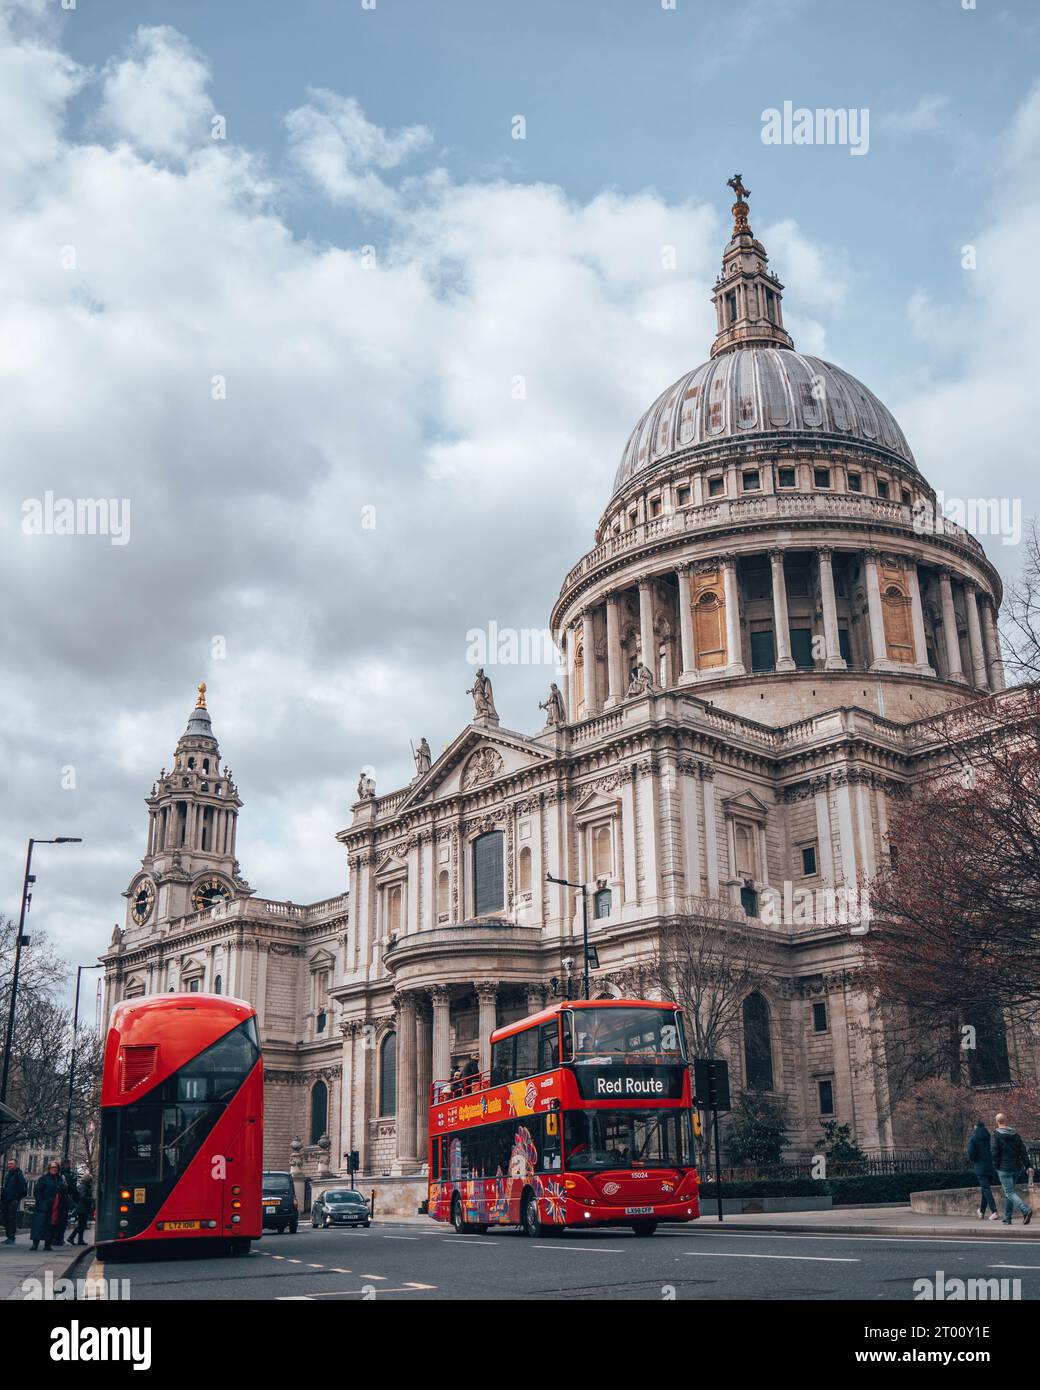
column 468, row 1240
column 742, row 1234
column 314, row 1266
column 339, row 1271
column 1014, row 1266
column 586, row 1250
column 373, row 1276
column 410, row 1285
column 293, row 1262
column 733, row 1255
column 350, row 1293
column 398, row 1237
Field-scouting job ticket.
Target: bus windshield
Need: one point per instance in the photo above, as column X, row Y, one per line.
column 627, row 1139
column 608, row 1035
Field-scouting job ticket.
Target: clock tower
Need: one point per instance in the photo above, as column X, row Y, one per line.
column 190, row 863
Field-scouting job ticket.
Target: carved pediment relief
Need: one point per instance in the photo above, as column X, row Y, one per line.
column 486, row 763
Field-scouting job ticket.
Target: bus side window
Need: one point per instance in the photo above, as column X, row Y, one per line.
column 502, row 1069
column 551, row 1143
column 526, row 1052
column 567, row 1025
column 548, row 1046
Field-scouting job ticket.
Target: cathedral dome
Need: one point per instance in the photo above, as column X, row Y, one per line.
column 760, row 393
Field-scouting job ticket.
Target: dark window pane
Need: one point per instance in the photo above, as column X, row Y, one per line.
column 826, row 1097
column 758, row 1046
column 388, row 1076
column 601, row 903
column 762, row 654
column 527, row 1052
column 809, row 860
column 801, row 647
column 319, row 1110
column 487, row 874
column 819, row 1017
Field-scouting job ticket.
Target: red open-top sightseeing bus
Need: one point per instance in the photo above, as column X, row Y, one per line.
column 182, row 1104
column 583, row 1120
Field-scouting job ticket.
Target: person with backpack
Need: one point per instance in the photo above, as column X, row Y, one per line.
column 980, row 1156
column 1010, row 1156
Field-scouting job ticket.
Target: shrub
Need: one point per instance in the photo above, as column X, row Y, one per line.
column 867, row 1188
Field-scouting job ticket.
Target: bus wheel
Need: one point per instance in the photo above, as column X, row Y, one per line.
column 644, row 1228
column 456, row 1218
column 530, row 1223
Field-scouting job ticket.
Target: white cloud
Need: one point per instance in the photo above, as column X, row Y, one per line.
column 339, row 150
column 156, row 97
column 925, row 116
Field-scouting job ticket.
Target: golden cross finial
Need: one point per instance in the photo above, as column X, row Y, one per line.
column 740, row 207
column 737, row 185
column 200, row 703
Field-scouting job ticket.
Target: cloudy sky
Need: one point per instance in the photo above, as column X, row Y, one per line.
column 362, row 362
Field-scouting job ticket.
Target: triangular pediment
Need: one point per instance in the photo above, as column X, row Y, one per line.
column 746, row 802
column 321, row 959
column 391, row 863
column 596, row 803
column 481, row 754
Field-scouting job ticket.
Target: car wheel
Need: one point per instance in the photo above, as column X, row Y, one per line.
column 366, row 1224
column 644, row 1228
column 530, row 1221
column 294, row 1225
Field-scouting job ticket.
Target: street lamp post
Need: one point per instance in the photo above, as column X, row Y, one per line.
column 20, row 940
column 585, row 952
column 72, row 1060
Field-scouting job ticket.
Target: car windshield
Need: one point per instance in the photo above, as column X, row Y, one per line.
column 607, row 1035
column 627, row 1139
column 332, row 1197
column 277, row 1183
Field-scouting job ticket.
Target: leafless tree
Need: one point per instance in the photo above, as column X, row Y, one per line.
column 1021, row 612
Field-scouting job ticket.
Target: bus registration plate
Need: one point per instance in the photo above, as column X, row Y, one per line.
column 639, row 1211
column 181, row 1225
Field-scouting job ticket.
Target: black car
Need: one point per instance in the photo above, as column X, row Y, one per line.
column 340, row 1206
column 281, row 1209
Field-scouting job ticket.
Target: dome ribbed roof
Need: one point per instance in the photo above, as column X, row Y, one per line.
column 759, row 391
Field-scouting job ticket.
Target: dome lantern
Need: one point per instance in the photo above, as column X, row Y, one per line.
column 747, row 294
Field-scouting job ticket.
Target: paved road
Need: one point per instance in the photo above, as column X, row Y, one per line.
column 413, row 1261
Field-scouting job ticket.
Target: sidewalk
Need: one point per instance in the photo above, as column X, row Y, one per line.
column 19, row 1261
column 873, row 1221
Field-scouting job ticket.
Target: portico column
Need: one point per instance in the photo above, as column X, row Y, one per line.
column 917, row 615
column 615, row 686
column 878, row 644
column 955, row 671
column 978, row 655
column 991, row 642
column 688, row 659
column 833, row 661
column 781, row 625
column 487, row 996
column 441, row 995
column 568, row 674
column 423, row 1076
column 646, row 628
column 535, row 997
column 734, row 657
column 588, row 642
column 406, row 1081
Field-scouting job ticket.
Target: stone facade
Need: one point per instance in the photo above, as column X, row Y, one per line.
column 753, row 656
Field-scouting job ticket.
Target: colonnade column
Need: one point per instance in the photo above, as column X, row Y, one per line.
column 646, row 628
column 615, row 684
column 781, row 626
column 487, row 997
column 588, row 644
column 991, row 642
column 833, row 660
column 955, row 671
column 734, row 657
column 978, row 655
column 917, row 615
column 406, row 1081
column 878, row 643
column 441, row 996
column 688, row 658
column 423, row 1076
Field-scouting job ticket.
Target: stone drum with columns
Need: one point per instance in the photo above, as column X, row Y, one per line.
column 755, row 652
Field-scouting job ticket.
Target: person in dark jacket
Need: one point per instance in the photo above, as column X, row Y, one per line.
column 83, row 1204
column 52, row 1207
column 980, row 1156
column 69, row 1179
column 1010, row 1156
column 14, row 1189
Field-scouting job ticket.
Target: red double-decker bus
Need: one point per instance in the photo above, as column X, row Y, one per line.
column 182, row 1107
column 584, row 1119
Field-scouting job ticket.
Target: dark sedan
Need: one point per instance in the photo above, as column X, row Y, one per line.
column 340, row 1207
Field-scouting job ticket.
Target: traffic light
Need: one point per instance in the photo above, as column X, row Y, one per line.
column 711, row 1084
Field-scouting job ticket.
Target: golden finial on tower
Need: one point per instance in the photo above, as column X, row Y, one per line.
column 200, row 703
column 740, row 207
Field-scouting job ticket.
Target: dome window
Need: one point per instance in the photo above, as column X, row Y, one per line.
column 821, row 477
column 716, row 486
column 882, row 487
column 682, row 496
column 855, row 482
column 786, row 477
column 904, row 497
column 751, row 480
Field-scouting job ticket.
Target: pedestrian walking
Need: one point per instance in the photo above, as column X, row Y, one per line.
column 980, row 1156
column 14, row 1189
column 83, row 1204
column 52, row 1207
column 1010, row 1157
column 69, row 1179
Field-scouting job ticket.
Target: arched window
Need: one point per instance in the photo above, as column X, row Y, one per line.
column 319, row 1111
column 758, row 1045
column 525, row 870
column 988, row 1062
column 488, row 891
column 602, row 852
column 388, row 1075
column 393, row 911
column 218, row 985
column 443, row 895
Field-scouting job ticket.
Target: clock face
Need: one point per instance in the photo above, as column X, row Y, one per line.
column 143, row 900
column 209, row 893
